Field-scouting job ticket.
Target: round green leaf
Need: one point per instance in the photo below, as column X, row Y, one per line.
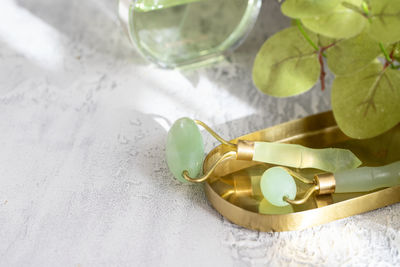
column 385, row 20
column 367, row 104
column 286, row 64
column 308, row 8
column 342, row 22
column 351, row 55
column 324, row 41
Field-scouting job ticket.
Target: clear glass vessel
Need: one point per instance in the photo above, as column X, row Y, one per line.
column 176, row 33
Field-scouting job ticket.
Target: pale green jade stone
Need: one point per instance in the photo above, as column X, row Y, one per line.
column 297, row 156
column 184, row 149
column 277, row 183
column 368, row 178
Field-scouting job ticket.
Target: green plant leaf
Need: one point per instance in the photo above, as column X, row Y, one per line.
column 367, row 104
column 308, row 8
column 324, row 41
column 342, row 22
column 358, row 7
column 286, row 64
column 396, row 51
column 150, row 5
column 385, row 20
column 351, row 55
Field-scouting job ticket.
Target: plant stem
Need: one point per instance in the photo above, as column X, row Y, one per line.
column 303, row 32
column 320, row 51
column 328, row 46
column 384, row 52
column 365, row 8
column 323, row 73
column 389, row 60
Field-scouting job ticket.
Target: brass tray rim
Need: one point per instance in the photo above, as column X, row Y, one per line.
column 387, row 197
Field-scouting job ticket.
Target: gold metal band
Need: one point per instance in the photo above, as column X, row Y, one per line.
column 326, row 183
column 245, row 150
column 185, row 174
column 214, row 134
column 306, row 196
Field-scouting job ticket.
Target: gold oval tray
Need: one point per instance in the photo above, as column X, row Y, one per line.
column 233, row 189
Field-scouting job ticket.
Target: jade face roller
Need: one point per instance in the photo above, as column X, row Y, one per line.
column 185, row 153
column 279, row 188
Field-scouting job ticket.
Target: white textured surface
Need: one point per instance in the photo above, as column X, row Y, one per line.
column 83, row 180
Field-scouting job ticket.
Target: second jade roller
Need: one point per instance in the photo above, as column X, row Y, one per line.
column 279, row 188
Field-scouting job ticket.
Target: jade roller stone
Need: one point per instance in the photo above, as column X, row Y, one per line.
column 276, row 183
column 184, row 149
column 367, row 178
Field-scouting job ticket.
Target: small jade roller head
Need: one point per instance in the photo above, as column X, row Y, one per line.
column 184, row 149
column 276, row 184
column 279, row 187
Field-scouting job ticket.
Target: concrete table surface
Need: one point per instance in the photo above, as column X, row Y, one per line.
column 83, row 179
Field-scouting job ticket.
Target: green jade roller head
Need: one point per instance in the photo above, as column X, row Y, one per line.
column 185, row 153
column 185, row 150
column 279, row 188
column 276, row 183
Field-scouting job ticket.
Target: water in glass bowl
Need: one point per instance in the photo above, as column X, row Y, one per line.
column 173, row 33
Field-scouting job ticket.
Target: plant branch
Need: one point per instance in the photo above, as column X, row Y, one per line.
column 320, row 50
column 321, row 54
column 323, row 73
column 328, row 46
